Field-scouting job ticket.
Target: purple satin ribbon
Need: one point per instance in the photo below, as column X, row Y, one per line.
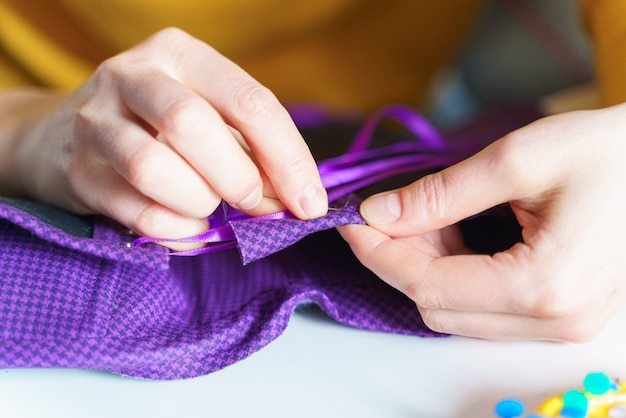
column 415, row 123
column 360, row 166
column 221, row 236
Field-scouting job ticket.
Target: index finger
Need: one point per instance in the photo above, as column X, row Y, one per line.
column 265, row 124
column 470, row 283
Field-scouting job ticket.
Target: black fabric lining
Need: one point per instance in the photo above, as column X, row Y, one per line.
column 79, row 226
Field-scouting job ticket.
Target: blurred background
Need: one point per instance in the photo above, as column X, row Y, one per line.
column 519, row 51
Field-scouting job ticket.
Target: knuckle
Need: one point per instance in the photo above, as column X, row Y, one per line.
column 423, row 295
column 143, row 167
column 180, row 114
column 150, row 219
column 416, row 292
column 510, row 161
column 169, row 38
column 542, row 306
column 254, row 101
column 295, row 168
column 433, row 320
column 85, row 120
column 110, row 70
column 367, row 254
column 94, row 96
column 413, row 290
column 292, row 173
column 430, row 193
column 546, row 299
column 244, row 189
column 169, row 34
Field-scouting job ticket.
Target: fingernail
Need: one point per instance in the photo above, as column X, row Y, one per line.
column 252, row 200
column 314, row 201
column 382, row 208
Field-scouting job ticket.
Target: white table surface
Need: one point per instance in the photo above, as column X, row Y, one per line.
column 318, row 368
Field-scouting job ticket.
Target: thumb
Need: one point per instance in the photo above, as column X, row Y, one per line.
column 446, row 197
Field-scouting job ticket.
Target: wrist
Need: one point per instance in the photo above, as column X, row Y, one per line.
column 21, row 118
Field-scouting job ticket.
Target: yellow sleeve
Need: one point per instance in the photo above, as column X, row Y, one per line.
column 345, row 54
column 606, row 22
column 27, row 55
column 10, row 73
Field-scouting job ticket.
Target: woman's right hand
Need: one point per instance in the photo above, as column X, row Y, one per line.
column 159, row 135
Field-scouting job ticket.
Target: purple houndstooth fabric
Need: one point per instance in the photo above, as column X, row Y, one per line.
column 259, row 238
column 97, row 303
column 93, row 303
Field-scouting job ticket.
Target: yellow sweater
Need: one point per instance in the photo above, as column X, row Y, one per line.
column 344, row 53
column 606, row 21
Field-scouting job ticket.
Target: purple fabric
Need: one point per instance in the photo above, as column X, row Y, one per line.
column 262, row 238
column 91, row 303
column 98, row 303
